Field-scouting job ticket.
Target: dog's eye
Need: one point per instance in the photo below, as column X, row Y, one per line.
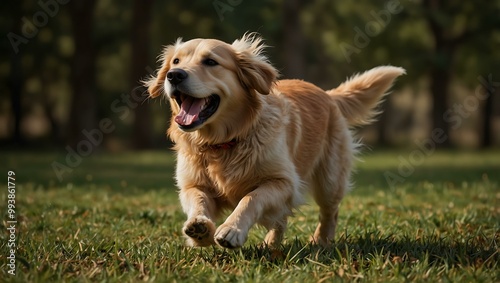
column 176, row 61
column 210, row 62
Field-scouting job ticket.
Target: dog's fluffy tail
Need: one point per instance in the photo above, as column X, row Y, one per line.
column 358, row 97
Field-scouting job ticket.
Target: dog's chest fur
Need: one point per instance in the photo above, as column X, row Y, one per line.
column 237, row 171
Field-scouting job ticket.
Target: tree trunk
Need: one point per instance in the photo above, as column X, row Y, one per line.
column 383, row 121
column 83, row 115
column 439, row 86
column 49, row 106
column 486, row 137
column 293, row 40
column 16, row 80
column 140, row 40
column 441, row 65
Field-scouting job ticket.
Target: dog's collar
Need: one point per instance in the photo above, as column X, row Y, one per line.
column 226, row 145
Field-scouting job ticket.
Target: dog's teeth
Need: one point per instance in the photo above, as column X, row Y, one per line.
column 207, row 101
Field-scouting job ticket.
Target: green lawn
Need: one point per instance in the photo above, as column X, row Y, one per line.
column 116, row 218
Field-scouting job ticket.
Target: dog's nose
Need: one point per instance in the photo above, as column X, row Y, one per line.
column 176, row 76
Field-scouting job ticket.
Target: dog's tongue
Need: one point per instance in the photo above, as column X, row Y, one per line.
column 190, row 110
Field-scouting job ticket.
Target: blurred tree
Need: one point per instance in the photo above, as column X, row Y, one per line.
column 16, row 80
column 426, row 37
column 445, row 47
column 83, row 113
column 293, row 39
column 486, row 137
column 140, row 41
column 51, row 68
column 454, row 25
column 355, row 38
column 482, row 49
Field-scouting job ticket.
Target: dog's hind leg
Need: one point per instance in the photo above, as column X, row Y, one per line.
column 325, row 231
column 328, row 195
column 276, row 232
column 330, row 182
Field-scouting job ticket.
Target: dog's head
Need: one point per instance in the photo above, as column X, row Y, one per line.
column 212, row 83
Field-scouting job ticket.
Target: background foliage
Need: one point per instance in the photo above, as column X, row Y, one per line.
column 66, row 65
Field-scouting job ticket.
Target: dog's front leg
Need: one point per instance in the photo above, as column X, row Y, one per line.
column 200, row 208
column 270, row 202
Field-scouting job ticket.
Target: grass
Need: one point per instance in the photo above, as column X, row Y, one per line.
column 116, row 218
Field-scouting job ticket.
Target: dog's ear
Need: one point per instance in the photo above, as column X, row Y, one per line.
column 254, row 69
column 155, row 83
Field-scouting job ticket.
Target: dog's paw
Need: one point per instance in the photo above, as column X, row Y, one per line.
column 230, row 237
column 200, row 231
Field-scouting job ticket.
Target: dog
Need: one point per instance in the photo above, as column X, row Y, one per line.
column 253, row 145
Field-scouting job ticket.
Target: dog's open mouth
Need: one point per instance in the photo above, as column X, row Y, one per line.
column 194, row 111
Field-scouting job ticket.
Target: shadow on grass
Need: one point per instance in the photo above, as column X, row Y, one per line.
column 370, row 249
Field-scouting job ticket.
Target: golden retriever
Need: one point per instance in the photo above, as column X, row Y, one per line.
column 252, row 144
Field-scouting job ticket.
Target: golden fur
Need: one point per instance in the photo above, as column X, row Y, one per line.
column 287, row 137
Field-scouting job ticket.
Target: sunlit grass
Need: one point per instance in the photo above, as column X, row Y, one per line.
column 123, row 224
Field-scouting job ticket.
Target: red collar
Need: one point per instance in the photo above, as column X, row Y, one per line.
column 227, row 145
